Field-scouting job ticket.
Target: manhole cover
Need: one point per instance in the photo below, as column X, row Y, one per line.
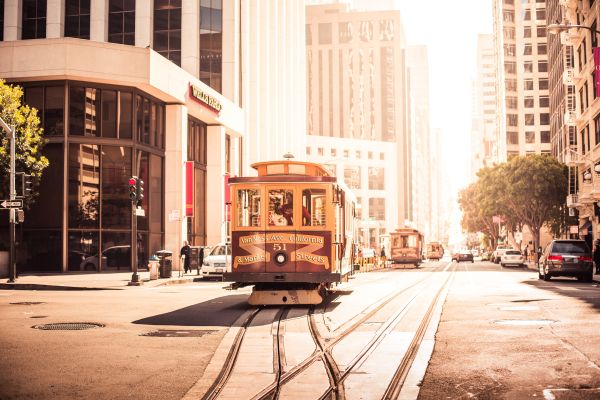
column 520, row 308
column 28, row 303
column 68, row 326
column 178, row 333
column 525, row 322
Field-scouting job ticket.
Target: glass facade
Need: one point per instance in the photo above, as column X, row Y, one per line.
column 100, row 153
column 197, row 131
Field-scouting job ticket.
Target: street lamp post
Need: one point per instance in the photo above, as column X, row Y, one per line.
column 555, row 29
column 12, row 271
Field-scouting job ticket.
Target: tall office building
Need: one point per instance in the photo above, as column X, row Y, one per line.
column 484, row 135
column 356, row 114
column 523, row 116
column 179, row 92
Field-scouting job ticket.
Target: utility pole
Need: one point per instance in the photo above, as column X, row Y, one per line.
column 12, row 261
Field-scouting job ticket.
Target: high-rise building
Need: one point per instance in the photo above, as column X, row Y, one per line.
column 181, row 93
column 575, row 110
column 523, row 116
column 484, row 133
column 357, row 123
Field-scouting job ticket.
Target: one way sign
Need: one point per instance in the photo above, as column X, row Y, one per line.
column 12, row 203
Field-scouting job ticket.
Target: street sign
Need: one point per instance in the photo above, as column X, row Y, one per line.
column 12, row 204
column 140, row 212
column 174, row 215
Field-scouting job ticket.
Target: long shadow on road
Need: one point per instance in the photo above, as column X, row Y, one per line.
column 220, row 311
column 587, row 292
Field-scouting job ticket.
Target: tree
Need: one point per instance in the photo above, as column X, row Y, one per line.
column 536, row 190
column 475, row 216
column 29, row 140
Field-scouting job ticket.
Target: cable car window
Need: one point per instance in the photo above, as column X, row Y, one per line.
column 297, row 169
column 275, row 169
column 313, row 207
column 248, row 207
column 281, row 207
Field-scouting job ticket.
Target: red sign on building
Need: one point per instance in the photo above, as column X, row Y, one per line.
column 597, row 70
column 189, row 188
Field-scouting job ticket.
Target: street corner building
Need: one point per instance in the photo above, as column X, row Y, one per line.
column 170, row 91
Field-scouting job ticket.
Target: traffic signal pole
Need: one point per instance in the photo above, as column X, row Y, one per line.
column 12, row 261
column 133, row 196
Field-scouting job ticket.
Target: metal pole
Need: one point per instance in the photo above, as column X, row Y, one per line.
column 135, row 279
column 13, row 195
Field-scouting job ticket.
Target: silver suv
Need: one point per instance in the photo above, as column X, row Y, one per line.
column 567, row 258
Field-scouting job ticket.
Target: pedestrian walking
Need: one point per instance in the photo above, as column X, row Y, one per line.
column 200, row 258
column 185, row 254
column 526, row 252
column 596, row 255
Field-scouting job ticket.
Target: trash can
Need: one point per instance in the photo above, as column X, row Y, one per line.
column 165, row 265
column 153, row 267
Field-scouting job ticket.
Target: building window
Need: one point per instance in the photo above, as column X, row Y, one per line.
column 211, row 43
column 527, row 32
column 352, row 176
column 320, row 151
column 376, row 178
column 197, row 152
column 540, row 14
column 541, row 31
column 542, row 66
column 150, row 117
column 377, row 209
column 545, row 136
column 512, row 138
column 528, row 65
column 77, row 19
column 333, row 152
column 544, row 101
column 543, row 84
column 34, row 19
column 528, row 102
column 529, row 137
column 2, row 20
column 530, row 119
column 50, row 103
column 544, row 119
column 121, row 21
column 167, row 29
column 358, row 154
column 527, row 50
column 307, row 150
column 512, row 120
column 528, row 84
column 324, row 33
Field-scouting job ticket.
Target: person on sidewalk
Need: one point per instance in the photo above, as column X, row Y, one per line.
column 596, row 255
column 185, row 254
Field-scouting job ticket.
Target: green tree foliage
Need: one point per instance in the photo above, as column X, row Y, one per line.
column 529, row 190
column 29, row 140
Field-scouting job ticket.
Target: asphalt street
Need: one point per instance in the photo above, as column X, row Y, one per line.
column 502, row 334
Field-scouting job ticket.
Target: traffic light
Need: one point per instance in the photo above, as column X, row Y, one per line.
column 27, row 185
column 140, row 190
column 133, row 184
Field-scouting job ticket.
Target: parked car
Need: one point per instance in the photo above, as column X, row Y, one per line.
column 217, row 262
column 115, row 257
column 512, row 257
column 497, row 254
column 462, row 255
column 567, row 258
column 486, row 256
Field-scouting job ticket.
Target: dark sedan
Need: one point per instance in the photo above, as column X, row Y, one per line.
column 462, row 256
column 567, row 258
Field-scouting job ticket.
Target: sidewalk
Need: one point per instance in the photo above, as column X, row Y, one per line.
column 91, row 281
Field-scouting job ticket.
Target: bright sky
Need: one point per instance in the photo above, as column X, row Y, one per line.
column 449, row 29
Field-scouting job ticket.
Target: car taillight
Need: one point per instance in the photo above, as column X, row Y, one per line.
column 555, row 257
column 584, row 258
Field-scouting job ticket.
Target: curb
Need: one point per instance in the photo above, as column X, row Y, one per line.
column 147, row 283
